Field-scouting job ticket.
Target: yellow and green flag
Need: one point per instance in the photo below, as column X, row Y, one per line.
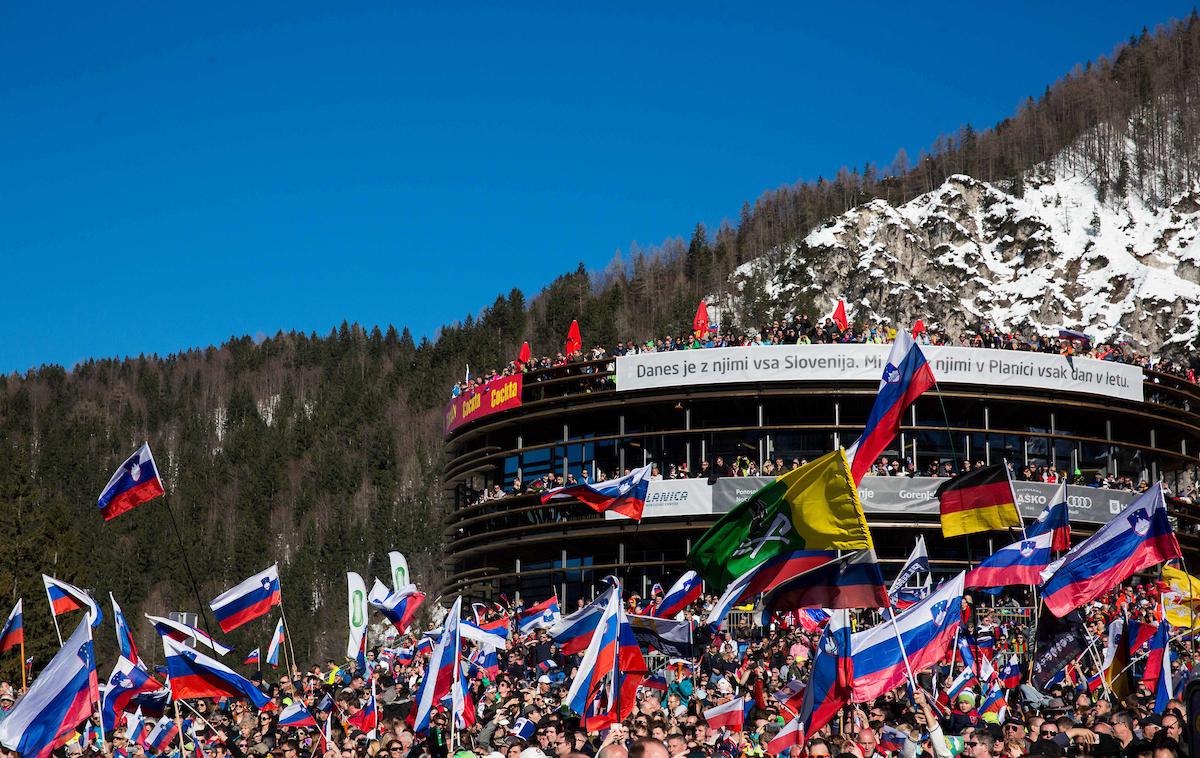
column 814, row 507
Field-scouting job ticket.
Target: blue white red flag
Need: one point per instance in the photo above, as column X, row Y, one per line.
column 963, row 682
column 248, row 600
column 135, row 729
column 812, row 620
column 1055, row 519
column 994, row 702
column 574, row 632
column 181, row 632
column 399, row 607
column 1010, row 675
column 1140, row 536
column 125, row 644
column 1139, row 634
column 928, row 632
column 1157, row 675
column 683, row 593
column 625, row 495
column 153, row 704
column 162, row 735
column 442, row 670
column 296, row 715
column 13, row 633
column 65, row 597
column 906, row 375
column 486, row 661
column 765, row 577
column 1022, row 562
column 195, row 675
column 254, row 659
column 61, row 698
column 134, row 483
column 611, row 669
column 127, row 681
column 832, row 677
column 405, row 656
column 366, row 719
column 541, row 616
column 277, row 640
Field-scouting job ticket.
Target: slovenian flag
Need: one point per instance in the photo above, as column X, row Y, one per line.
column 852, row 581
column 543, row 615
column 162, row 735
column 1140, row 536
column 134, row 483
column 125, row 643
column 277, row 640
column 574, row 631
column 928, row 632
column 441, row 674
column 13, row 634
column 1157, row 676
column 126, row 682
column 905, row 377
column 611, row 669
column 625, row 495
column 1022, row 562
column 296, row 715
column 247, row 601
column 254, row 658
column 181, row 632
column 62, row 697
column 1010, row 675
column 683, row 593
column 135, row 729
column 400, row 607
column 65, row 598
column 195, row 675
column 1055, row 518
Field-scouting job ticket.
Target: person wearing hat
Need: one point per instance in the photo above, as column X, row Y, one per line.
column 963, row 717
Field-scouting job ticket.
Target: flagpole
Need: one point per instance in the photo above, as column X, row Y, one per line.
column 99, row 703
column 179, row 726
column 903, row 653
column 54, row 616
column 287, row 632
column 24, row 683
column 188, row 565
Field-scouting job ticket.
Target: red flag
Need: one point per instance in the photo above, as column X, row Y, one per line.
column 839, row 315
column 700, row 323
column 525, row 354
column 918, row 327
column 574, row 341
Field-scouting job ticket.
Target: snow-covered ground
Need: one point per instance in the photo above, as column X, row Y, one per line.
column 969, row 254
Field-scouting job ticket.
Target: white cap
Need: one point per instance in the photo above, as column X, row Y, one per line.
column 532, row 752
column 543, row 679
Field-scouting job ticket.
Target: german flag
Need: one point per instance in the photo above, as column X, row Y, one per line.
column 978, row 501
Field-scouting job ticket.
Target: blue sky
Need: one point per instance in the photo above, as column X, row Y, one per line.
column 174, row 176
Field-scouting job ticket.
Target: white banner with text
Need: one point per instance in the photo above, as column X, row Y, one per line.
column 855, row 362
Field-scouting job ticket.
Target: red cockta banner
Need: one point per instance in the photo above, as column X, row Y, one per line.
column 499, row 394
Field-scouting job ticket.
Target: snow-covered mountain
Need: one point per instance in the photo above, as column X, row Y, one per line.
column 970, row 253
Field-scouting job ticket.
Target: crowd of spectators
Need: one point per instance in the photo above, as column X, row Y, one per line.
column 516, row 710
column 803, row 330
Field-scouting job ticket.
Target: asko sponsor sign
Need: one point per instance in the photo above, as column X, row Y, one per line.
column 800, row 363
column 499, row 394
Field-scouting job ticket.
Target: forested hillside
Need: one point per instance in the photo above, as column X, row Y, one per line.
column 323, row 452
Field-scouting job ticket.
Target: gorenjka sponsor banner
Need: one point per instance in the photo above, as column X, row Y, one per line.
column 499, row 394
column 801, row 363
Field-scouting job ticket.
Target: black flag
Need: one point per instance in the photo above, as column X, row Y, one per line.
column 1059, row 641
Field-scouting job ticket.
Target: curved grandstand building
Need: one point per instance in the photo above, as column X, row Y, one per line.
column 785, row 402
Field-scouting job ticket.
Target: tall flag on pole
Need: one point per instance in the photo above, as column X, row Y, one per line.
column 126, row 682
column 814, row 507
column 247, row 601
column 1157, row 676
column 611, row 669
column 276, row 643
column 832, row 677
column 125, row 644
column 905, row 377
column 1056, row 519
column 700, row 322
column 1022, row 562
column 625, row 495
column 62, row 697
column 13, row 633
column 978, row 501
column 254, row 658
column 65, row 598
column 181, row 632
column 195, row 675
column 574, row 339
column 927, row 629
column 356, row 614
column 839, row 315
column 1138, row 537
column 852, row 581
column 135, row 482
column 442, row 671
column 685, row 591
column 525, row 355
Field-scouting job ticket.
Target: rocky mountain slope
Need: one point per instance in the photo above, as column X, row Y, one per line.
column 972, row 253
